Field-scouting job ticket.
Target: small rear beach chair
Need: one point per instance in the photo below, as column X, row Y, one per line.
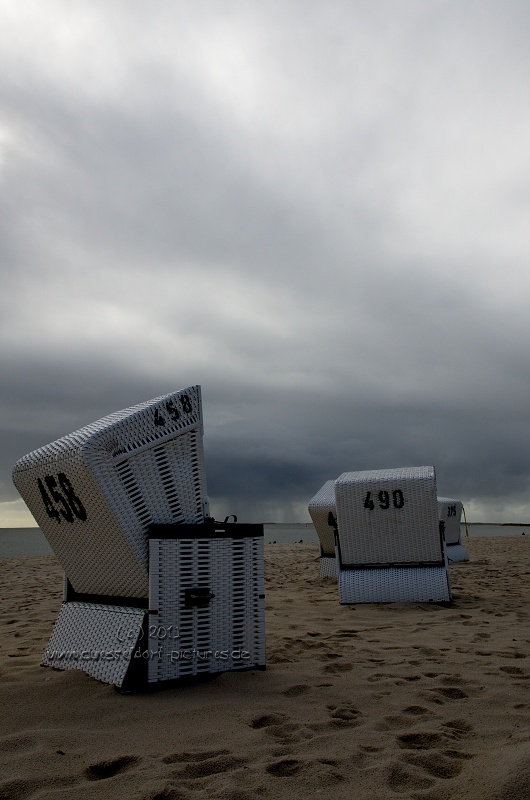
column 323, row 515
column 450, row 513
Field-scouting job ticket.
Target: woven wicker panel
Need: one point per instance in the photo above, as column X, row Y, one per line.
column 450, row 513
column 320, row 506
column 388, row 517
column 97, row 639
column 228, row 633
column 328, row 567
column 395, row 585
column 94, row 492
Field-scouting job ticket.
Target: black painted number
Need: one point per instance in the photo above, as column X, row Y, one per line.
column 70, row 506
column 384, row 500
column 368, row 502
column 451, row 511
column 383, row 497
column 159, row 419
column 186, row 404
column 172, row 410
column 48, row 503
column 73, row 500
column 397, row 498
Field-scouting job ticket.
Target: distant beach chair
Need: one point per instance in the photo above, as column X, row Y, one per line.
column 389, row 542
column 155, row 590
column 450, row 513
column 324, row 517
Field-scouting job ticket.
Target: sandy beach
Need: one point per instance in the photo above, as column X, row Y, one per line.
column 377, row 701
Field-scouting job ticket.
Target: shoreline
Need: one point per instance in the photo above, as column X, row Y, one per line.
column 18, row 542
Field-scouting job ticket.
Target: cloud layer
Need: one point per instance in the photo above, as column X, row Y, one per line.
column 316, row 211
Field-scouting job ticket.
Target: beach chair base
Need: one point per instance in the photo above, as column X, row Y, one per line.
column 205, row 613
column 96, row 638
column 394, row 585
column 328, row 567
column 456, row 552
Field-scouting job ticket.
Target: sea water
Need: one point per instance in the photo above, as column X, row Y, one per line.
column 281, row 533
column 19, row 542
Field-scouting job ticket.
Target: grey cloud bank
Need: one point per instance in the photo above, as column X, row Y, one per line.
column 316, row 211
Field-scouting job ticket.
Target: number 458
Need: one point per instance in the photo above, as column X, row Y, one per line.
column 70, row 506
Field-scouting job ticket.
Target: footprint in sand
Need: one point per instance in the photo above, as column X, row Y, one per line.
column 285, row 768
column 448, row 693
column 193, row 755
column 289, row 733
column 426, row 757
column 347, row 633
column 340, row 666
column 404, row 719
column 416, row 711
column 108, row 769
column 286, row 733
column 296, row 691
column 281, row 729
column 401, row 778
column 457, row 728
column 322, row 772
column 345, row 716
column 203, row 763
column 266, row 720
column 423, row 740
column 438, row 765
column 516, row 672
column 215, row 766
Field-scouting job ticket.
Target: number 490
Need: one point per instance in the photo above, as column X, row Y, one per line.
column 398, row 501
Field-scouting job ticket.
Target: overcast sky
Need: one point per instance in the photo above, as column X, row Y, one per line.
column 319, row 211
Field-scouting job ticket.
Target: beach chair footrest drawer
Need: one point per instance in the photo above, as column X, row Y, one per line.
column 394, row 585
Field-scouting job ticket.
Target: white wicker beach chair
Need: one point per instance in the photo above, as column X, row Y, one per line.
column 450, row 513
column 324, row 516
column 390, row 547
column 123, row 504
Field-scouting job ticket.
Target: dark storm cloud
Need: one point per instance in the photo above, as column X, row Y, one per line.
column 320, row 217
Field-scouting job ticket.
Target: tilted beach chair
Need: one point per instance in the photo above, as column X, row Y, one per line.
column 450, row 513
column 155, row 590
column 390, row 546
column 323, row 515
